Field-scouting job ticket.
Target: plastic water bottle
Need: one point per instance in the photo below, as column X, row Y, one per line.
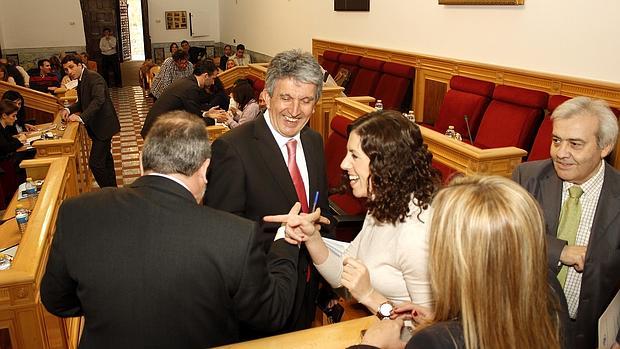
column 450, row 132
column 21, row 216
column 30, row 188
column 379, row 105
column 411, row 116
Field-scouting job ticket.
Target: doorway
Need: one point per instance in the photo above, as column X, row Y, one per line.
column 136, row 33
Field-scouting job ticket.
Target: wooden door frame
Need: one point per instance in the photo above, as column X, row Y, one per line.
column 146, row 33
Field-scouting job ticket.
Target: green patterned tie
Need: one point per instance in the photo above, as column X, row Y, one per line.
column 569, row 223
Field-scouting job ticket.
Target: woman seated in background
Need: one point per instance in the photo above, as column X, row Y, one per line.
column 20, row 125
column 4, row 75
column 9, row 143
column 173, row 48
column 489, row 275
column 243, row 107
column 230, row 63
column 388, row 163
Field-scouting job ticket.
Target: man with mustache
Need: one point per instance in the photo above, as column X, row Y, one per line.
column 579, row 194
column 266, row 165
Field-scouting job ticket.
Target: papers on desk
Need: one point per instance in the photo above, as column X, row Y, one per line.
column 336, row 247
column 609, row 323
column 71, row 84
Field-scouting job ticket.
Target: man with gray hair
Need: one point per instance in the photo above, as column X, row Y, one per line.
column 579, row 194
column 266, row 165
column 149, row 267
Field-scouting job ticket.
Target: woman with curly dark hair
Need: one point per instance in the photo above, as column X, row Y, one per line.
column 388, row 163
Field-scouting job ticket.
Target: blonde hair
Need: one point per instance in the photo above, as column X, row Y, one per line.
column 488, row 265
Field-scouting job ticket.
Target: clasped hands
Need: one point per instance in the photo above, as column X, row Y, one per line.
column 217, row 114
column 299, row 227
column 64, row 113
column 386, row 334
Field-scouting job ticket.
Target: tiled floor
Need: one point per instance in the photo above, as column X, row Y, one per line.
column 131, row 107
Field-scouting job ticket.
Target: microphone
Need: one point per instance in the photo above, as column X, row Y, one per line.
column 468, row 129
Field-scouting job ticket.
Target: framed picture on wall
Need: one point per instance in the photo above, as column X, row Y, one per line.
column 14, row 57
column 176, row 20
column 351, row 5
column 481, row 2
column 159, row 55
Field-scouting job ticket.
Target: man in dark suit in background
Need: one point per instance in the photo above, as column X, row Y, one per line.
column 184, row 94
column 149, row 267
column 264, row 166
column 577, row 189
column 97, row 114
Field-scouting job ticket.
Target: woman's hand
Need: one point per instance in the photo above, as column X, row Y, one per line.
column 411, row 311
column 385, row 334
column 356, row 279
column 21, row 137
column 30, row 128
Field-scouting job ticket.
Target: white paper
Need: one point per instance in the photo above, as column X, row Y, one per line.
column 336, row 247
column 609, row 323
column 71, row 84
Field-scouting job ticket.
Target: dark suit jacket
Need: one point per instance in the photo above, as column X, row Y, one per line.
column 94, row 102
column 150, row 268
column 249, row 177
column 183, row 94
column 601, row 275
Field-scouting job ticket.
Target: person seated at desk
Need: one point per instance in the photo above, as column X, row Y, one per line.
column 9, row 144
column 246, row 108
column 5, row 76
column 388, row 163
column 487, row 263
column 20, row 125
column 43, row 79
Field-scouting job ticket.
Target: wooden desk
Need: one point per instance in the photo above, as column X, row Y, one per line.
column 23, row 319
column 460, row 156
column 73, row 143
column 340, row 335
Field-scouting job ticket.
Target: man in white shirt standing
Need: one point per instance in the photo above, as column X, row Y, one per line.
column 109, row 59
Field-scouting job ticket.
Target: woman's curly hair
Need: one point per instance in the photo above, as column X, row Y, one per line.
column 400, row 165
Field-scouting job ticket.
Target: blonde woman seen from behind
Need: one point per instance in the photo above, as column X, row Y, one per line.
column 489, row 274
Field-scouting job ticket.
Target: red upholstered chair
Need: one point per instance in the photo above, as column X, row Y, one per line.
column 542, row 142
column 348, row 210
column 258, row 85
column 367, row 77
column 512, row 118
column 466, row 96
column 350, row 63
column 394, row 85
column 330, row 62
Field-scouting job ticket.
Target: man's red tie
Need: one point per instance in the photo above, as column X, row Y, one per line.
column 298, row 182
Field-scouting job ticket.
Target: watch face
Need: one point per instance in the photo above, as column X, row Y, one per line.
column 385, row 309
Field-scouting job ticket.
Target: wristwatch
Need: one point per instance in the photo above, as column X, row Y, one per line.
column 385, row 310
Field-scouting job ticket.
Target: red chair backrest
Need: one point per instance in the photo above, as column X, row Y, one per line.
column 330, row 62
column 367, row 77
column 512, row 118
column 542, row 142
column 466, row 97
column 335, row 151
column 258, row 85
column 351, row 63
column 394, row 84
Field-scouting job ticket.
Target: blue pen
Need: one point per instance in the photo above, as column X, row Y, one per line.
column 316, row 200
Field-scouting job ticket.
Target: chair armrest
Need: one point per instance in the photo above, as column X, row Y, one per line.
column 363, row 99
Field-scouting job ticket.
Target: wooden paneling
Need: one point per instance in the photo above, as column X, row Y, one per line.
column 435, row 91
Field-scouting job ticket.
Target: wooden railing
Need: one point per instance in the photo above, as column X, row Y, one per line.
column 457, row 155
column 74, row 143
column 433, row 75
column 34, row 99
column 336, row 336
column 28, row 324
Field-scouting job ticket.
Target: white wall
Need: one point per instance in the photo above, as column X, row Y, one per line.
column 30, row 24
column 157, row 22
column 569, row 37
